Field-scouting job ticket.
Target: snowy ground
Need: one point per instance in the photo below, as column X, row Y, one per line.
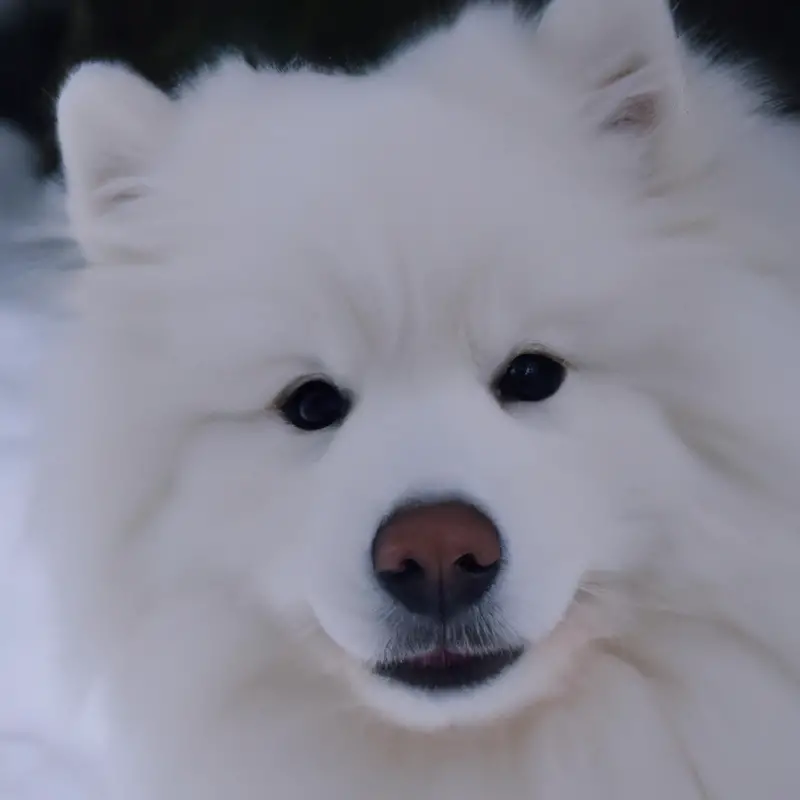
column 40, row 757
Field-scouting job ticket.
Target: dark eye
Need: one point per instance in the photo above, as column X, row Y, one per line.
column 529, row 378
column 315, row 405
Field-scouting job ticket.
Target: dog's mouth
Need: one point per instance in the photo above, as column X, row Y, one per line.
column 445, row 670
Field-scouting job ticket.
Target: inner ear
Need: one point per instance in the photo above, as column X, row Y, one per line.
column 625, row 58
column 637, row 113
column 635, row 99
column 112, row 125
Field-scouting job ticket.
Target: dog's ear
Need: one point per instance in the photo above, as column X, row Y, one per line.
column 625, row 56
column 111, row 126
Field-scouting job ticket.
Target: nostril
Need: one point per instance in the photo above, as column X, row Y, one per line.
column 409, row 583
column 407, row 569
column 411, row 567
column 402, row 578
column 469, row 563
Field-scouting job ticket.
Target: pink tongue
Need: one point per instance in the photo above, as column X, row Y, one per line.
column 439, row 659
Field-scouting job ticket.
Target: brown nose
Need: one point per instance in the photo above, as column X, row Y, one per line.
column 437, row 559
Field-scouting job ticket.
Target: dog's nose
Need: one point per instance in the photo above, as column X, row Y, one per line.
column 437, row 559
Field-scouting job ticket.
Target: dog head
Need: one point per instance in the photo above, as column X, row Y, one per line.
column 409, row 368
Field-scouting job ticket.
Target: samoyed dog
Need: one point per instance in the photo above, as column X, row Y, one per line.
column 434, row 433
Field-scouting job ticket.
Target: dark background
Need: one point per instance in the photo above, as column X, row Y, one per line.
column 164, row 39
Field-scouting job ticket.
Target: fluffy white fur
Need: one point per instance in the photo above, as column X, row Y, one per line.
column 579, row 183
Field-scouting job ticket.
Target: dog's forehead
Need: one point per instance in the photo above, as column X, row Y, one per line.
column 376, row 183
column 386, row 211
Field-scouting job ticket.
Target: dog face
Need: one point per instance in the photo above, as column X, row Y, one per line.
column 391, row 369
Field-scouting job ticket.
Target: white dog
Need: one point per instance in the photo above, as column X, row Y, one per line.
column 435, row 433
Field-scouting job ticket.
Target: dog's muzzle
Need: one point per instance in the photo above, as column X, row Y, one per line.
column 437, row 563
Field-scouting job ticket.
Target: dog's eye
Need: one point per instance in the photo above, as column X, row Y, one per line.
column 314, row 405
column 529, row 378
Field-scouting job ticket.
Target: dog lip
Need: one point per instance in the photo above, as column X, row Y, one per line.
column 443, row 670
